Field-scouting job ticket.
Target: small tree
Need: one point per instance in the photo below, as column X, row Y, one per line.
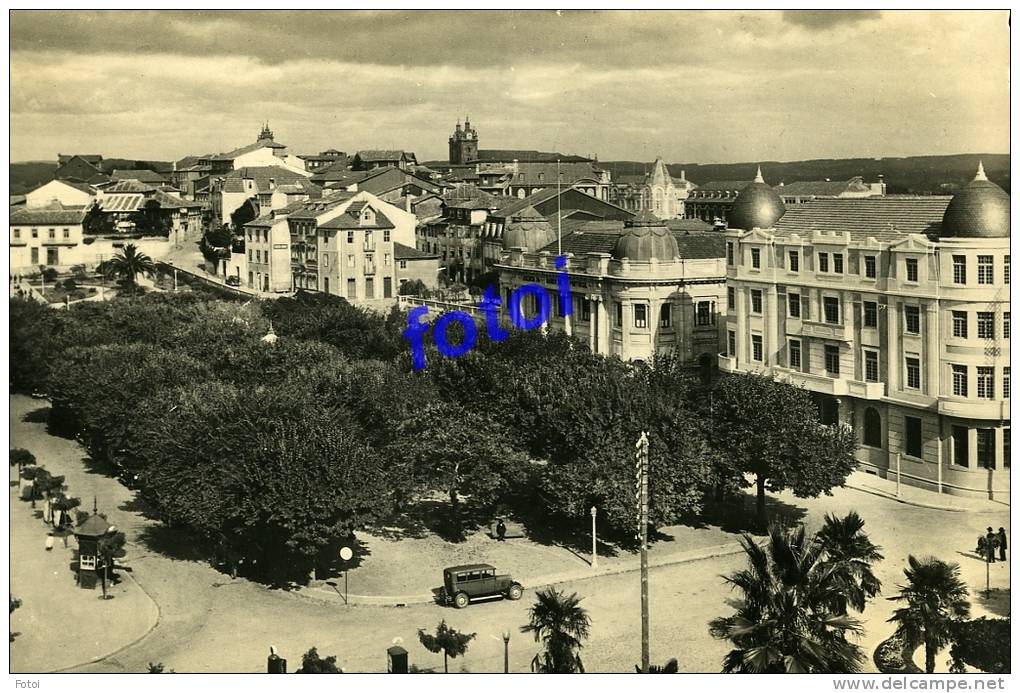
column 771, row 430
column 412, row 287
column 64, row 505
column 312, row 663
column 15, row 603
column 34, row 475
column 982, row 643
column 158, row 668
column 671, row 667
column 111, row 547
column 935, row 597
column 446, row 640
column 561, row 625
column 50, row 274
column 21, row 458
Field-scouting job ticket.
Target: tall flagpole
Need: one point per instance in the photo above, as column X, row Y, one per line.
column 559, row 218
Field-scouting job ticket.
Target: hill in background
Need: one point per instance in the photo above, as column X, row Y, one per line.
column 29, row 175
column 919, row 175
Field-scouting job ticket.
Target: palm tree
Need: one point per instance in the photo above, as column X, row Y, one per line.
column 935, row 597
column 128, row 264
column 785, row 622
column 561, row 625
column 850, row 554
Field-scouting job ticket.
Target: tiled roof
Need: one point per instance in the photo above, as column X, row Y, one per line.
column 310, row 209
column 233, row 182
column 403, row 252
column 601, row 237
column 23, row 216
column 884, row 218
column 530, row 173
column 381, row 154
column 91, row 158
column 349, row 220
column 143, row 175
column 735, row 185
column 254, row 146
column 130, row 196
column 17, row 200
column 76, row 184
column 527, row 155
column 822, row 188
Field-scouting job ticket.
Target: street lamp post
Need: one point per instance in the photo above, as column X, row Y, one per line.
column 506, row 652
column 594, row 544
column 641, row 464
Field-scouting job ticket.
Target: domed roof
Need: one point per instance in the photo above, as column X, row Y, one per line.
column 645, row 238
column 529, row 230
column 757, row 206
column 980, row 210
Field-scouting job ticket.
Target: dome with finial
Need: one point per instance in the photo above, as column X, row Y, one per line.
column 645, row 238
column 757, row 206
column 529, row 230
column 979, row 210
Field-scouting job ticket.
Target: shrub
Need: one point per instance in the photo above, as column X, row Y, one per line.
column 50, row 274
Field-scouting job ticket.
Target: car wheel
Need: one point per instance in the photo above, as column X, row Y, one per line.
column 460, row 600
column 515, row 592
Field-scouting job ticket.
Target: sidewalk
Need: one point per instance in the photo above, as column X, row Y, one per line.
column 60, row 625
column 922, row 498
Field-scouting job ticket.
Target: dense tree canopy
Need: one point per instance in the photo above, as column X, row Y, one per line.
column 770, row 429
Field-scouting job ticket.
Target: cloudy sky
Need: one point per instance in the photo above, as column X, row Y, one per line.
column 692, row 86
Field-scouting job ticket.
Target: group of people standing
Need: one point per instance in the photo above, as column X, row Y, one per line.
column 990, row 542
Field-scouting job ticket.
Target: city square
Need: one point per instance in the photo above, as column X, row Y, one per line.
column 706, row 382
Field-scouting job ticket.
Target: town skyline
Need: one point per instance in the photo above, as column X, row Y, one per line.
column 521, row 80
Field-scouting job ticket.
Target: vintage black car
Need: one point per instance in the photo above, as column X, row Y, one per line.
column 463, row 584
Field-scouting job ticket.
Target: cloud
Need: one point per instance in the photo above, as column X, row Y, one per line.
column 827, row 19
column 698, row 86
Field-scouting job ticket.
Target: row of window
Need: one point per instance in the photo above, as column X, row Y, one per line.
column 985, row 324
column 985, row 381
column 985, row 447
column 51, row 233
column 369, row 238
column 985, row 269
column 985, row 265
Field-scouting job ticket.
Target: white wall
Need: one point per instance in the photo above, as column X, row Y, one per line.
column 58, row 191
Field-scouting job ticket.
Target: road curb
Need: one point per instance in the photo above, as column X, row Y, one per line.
column 921, row 504
column 543, row 581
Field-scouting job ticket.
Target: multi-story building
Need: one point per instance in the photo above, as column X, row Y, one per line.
column 711, row 202
column 330, row 157
column 637, row 292
column 463, row 144
column 343, row 244
column 656, row 191
column 803, row 191
column 894, row 312
column 268, row 187
column 265, row 151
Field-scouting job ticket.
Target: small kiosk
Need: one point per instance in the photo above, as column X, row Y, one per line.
column 88, row 534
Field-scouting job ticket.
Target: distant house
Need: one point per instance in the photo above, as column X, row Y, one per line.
column 656, row 191
column 330, row 157
column 711, row 202
column 265, row 151
column 270, row 187
column 413, row 264
column 140, row 175
column 67, row 193
column 367, row 159
column 46, row 236
column 123, row 199
column 80, row 168
column 388, row 182
column 805, row 191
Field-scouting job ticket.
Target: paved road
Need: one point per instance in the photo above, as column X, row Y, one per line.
column 210, row 623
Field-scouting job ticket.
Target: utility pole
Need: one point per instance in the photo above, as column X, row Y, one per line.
column 641, row 469
column 594, row 544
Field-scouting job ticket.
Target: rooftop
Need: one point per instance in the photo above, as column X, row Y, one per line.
column 884, row 218
column 404, row 252
column 23, row 216
column 143, row 175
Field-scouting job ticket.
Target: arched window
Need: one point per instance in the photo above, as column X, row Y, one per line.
column 872, row 428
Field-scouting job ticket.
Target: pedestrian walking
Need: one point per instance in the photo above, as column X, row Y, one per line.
column 990, row 542
column 501, row 530
column 1002, row 543
column 49, row 542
